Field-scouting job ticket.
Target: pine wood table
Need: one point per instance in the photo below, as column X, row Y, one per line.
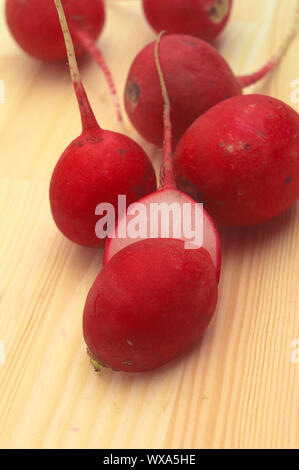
column 238, row 387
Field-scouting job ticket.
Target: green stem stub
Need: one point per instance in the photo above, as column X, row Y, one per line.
column 98, row 367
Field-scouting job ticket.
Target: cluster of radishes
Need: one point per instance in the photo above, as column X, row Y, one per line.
column 237, row 154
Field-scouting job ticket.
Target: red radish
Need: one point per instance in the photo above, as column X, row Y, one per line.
column 197, row 78
column 202, row 18
column 35, row 27
column 242, row 157
column 96, row 167
column 171, row 197
column 148, row 305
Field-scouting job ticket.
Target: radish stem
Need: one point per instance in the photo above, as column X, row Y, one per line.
column 87, row 42
column 251, row 79
column 166, row 174
column 87, row 115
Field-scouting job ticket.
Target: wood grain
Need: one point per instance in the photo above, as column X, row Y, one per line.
column 238, row 387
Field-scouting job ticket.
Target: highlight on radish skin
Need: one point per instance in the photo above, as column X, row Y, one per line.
column 130, row 324
column 168, row 203
column 35, row 27
column 96, row 167
column 197, row 78
column 242, row 157
column 201, row 18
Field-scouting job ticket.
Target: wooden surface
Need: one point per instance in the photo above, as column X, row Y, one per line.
column 238, row 387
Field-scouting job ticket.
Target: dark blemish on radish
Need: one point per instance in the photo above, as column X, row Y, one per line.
column 193, row 44
column 121, row 151
column 133, row 92
column 188, row 188
column 217, row 201
column 213, row 11
column 190, row 43
column 212, row 82
column 77, row 143
column 247, row 147
column 78, row 19
column 94, row 139
column 288, row 179
column 222, row 144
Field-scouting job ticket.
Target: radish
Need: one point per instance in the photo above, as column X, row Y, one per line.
column 96, row 167
column 148, row 305
column 242, row 159
column 35, row 27
column 202, row 18
column 197, row 78
column 169, row 196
